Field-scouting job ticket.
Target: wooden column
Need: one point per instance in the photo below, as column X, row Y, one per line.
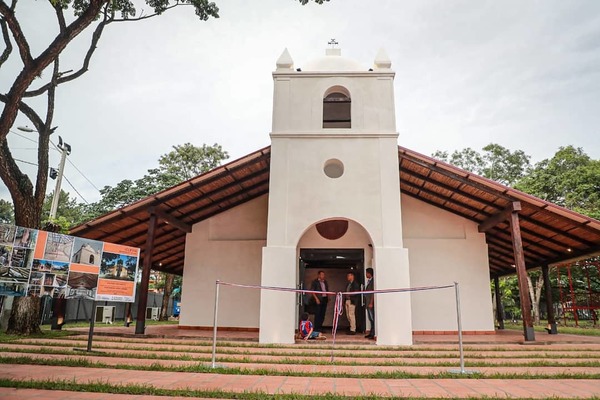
column 549, row 303
column 499, row 308
column 140, row 325
column 515, row 233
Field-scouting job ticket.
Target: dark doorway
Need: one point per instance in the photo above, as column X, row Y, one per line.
column 336, row 263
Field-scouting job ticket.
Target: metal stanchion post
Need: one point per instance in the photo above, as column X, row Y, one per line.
column 214, row 344
column 460, row 339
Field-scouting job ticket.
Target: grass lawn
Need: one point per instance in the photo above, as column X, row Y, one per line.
column 584, row 328
column 83, row 324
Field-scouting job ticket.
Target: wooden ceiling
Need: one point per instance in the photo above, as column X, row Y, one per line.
column 550, row 233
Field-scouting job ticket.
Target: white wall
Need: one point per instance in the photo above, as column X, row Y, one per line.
column 444, row 248
column 227, row 247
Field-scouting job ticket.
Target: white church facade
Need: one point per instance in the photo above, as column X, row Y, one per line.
column 334, row 165
column 336, row 191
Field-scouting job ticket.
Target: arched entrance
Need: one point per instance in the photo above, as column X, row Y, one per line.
column 335, row 246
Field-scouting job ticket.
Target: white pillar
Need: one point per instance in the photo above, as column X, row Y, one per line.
column 278, row 309
column 393, row 315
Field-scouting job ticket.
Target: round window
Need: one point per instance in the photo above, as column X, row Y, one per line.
column 333, row 168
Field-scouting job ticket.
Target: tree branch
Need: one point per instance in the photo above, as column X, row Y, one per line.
column 60, row 16
column 28, row 111
column 148, row 16
column 5, row 35
column 9, row 16
column 86, row 61
column 44, row 139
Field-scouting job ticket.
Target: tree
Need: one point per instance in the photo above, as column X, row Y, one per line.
column 167, row 290
column 42, row 73
column 535, row 293
column 495, row 162
column 68, row 213
column 7, row 215
column 182, row 163
column 570, row 179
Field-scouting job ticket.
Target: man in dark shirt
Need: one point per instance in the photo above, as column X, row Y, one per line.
column 320, row 285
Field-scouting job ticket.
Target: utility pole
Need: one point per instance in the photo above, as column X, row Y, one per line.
column 65, row 150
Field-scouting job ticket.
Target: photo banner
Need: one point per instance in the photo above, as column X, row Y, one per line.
column 40, row 263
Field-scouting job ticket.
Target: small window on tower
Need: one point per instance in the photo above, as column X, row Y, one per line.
column 336, row 111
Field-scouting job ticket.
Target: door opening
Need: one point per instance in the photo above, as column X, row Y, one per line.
column 336, row 263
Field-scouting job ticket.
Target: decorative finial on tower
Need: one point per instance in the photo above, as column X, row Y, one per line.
column 333, row 43
column 382, row 61
column 285, row 60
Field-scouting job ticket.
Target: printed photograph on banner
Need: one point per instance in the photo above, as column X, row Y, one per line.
column 12, row 289
column 25, row 237
column 83, row 281
column 7, row 234
column 118, row 267
column 118, row 270
column 87, row 251
column 5, row 252
column 17, row 267
column 48, row 278
column 58, row 247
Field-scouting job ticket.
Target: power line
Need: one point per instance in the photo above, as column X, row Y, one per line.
column 56, row 149
column 76, row 191
column 23, row 136
column 86, row 178
column 26, row 162
column 64, row 176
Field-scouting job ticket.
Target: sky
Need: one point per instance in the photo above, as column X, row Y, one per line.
column 524, row 74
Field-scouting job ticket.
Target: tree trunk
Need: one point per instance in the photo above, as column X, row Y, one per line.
column 169, row 279
column 25, row 316
column 535, row 294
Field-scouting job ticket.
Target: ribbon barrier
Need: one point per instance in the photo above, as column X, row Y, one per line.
column 338, row 310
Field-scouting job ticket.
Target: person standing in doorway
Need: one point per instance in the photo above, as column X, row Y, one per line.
column 320, row 299
column 351, row 302
column 370, row 302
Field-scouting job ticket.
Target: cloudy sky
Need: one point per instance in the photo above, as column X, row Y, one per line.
column 525, row 74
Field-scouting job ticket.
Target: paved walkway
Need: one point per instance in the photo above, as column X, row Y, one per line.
column 561, row 353
column 426, row 388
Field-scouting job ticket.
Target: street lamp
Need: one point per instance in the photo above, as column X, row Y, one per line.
column 65, row 150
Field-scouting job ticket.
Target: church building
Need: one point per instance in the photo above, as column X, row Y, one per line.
column 335, row 192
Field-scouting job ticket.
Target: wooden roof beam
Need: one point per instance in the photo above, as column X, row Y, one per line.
column 504, row 215
column 171, row 220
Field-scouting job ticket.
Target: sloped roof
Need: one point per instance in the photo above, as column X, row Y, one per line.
column 550, row 233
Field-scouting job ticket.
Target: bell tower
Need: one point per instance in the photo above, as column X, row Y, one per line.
column 334, row 154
